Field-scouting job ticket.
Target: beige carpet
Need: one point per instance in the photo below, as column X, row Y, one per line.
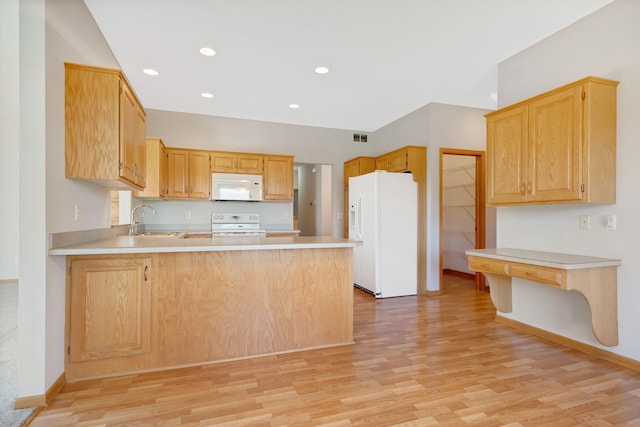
column 9, row 357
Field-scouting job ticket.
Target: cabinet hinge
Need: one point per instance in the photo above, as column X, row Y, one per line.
column 69, row 270
column 120, row 165
column 583, row 95
column 68, row 350
column 582, row 188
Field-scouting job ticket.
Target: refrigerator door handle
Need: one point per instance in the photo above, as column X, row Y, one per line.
column 359, row 216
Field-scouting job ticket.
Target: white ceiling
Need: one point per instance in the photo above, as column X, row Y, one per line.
column 387, row 58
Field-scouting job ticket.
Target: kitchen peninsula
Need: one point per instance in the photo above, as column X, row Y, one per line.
column 138, row 304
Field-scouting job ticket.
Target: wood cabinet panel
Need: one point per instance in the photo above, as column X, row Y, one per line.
column 555, row 131
column 156, row 170
column 507, row 136
column 382, row 162
column 109, row 315
column 398, row 161
column 548, row 276
column 177, row 173
column 358, row 166
column 129, row 135
column 250, row 163
column 488, row 265
column 230, row 162
column 104, row 128
column 558, row 147
column 394, row 161
column 278, row 178
column 199, row 175
column 224, row 162
column 188, row 174
column 265, row 302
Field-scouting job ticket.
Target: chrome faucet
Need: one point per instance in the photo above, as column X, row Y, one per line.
column 133, row 224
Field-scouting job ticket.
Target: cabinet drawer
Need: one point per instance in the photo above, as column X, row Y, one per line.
column 485, row 265
column 546, row 275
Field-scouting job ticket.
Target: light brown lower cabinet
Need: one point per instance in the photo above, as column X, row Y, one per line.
column 129, row 313
column 108, row 315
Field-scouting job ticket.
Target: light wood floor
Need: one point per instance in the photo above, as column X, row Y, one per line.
column 417, row 361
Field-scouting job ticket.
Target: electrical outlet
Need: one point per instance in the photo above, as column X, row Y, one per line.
column 187, row 214
column 76, row 213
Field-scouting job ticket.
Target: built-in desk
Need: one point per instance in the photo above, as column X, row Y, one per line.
column 595, row 278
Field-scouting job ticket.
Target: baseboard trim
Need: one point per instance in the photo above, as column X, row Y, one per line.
column 55, row 388
column 576, row 345
column 41, row 400
column 2, row 281
column 434, row 293
column 30, row 402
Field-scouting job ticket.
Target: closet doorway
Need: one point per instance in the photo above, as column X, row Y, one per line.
column 462, row 210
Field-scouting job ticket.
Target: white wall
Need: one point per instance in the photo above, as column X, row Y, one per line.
column 9, row 134
column 604, row 44
column 436, row 126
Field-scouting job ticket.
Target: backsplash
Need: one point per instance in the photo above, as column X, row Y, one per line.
column 197, row 214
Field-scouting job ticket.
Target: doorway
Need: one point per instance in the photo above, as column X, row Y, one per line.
column 312, row 200
column 463, row 214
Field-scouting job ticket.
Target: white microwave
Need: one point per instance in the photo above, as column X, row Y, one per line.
column 236, row 186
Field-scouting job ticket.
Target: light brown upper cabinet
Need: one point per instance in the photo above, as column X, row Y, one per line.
column 157, row 160
column 358, row 166
column 104, row 128
column 558, row 147
column 278, row 178
column 395, row 161
column 229, row 162
column 189, row 175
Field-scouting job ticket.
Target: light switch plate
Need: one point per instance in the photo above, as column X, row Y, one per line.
column 610, row 222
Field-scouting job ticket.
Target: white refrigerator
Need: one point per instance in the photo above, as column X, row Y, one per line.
column 383, row 214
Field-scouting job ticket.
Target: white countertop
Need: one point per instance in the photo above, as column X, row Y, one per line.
column 547, row 259
column 124, row 244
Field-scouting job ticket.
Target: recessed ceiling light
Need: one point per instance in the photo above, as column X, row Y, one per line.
column 206, row 95
column 294, row 106
column 150, row 72
column 207, row 51
column 322, row 70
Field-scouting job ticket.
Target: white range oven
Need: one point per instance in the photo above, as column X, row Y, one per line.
column 228, row 224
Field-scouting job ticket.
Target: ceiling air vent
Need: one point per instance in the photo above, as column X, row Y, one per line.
column 360, row 137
